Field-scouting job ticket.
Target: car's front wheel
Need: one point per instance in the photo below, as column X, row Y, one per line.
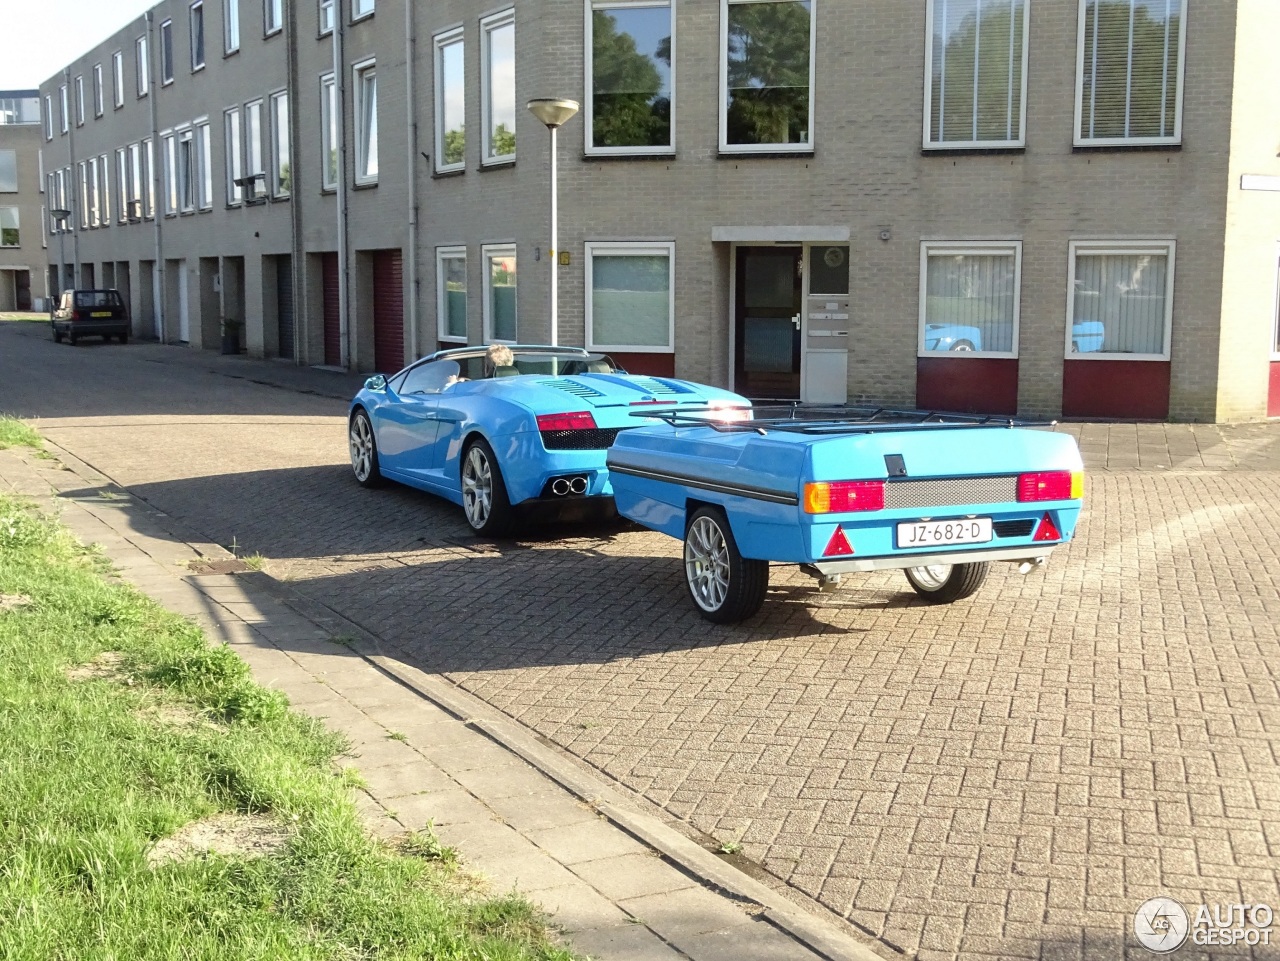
column 725, row 586
column 944, row 583
column 364, row 450
column 484, row 493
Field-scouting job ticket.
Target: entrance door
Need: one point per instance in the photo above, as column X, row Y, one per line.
column 284, row 306
column 184, row 304
column 767, row 311
column 332, row 315
column 388, row 311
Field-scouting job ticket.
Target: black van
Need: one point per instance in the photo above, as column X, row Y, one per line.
column 93, row 313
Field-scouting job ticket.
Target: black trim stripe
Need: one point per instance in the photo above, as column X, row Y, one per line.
column 755, row 493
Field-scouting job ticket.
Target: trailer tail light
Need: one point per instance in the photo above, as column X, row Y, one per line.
column 1048, row 530
column 1057, row 485
column 840, row 497
column 577, row 420
column 839, row 545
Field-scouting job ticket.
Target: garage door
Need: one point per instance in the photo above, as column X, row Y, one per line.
column 388, row 311
column 284, row 304
column 332, row 316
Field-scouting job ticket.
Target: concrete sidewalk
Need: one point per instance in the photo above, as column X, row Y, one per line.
column 618, row 880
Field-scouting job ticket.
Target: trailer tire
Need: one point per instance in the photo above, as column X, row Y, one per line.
column 944, row 583
column 725, row 586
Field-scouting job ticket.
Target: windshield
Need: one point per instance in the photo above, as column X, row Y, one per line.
column 97, row 298
column 543, row 363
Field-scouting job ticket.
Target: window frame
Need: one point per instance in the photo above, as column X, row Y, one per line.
column 14, row 152
column 725, row 147
column 230, row 27
column 1122, row 248
column 487, row 253
column 1017, row 142
column 48, row 117
column 629, row 248
column 272, row 17
column 197, row 6
column 169, row 171
column 488, row 24
column 324, row 7
column 233, row 140
column 328, row 131
column 98, row 97
column 203, row 148
column 135, row 188
column 104, row 190
column 973, row 248
column 253, row 148
column 442, row 313
column 122, row 186
column 279, row 191
column 166, row 55
column 589, row 101
column 357, row 16
column 1176, row 138
column 80, row 100
column 83, row 170
column 188, row 170
column 141, row 49
column 117, row 79
column 439, row 41
column 363, row 140
column 148, row 178
column 64, row 104
column 17, row 220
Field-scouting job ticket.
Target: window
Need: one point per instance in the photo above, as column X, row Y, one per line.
column 430, row 378
column 1121, row 300
column 187, row 172
column 134, row 164
column 969, row 298
column 196, row 18
column 169, row 156
column 253, row 145
column 631, row 296
column 498, row 43
column 166, row 52
column 361, row 8
column 230, row 26
column 66, row 110
column 117, row 78
column 451, row 101
column 8, row 171
column 366, row 105
column 84, row 195
column 48, row 117
column 148, row 179
column 97, row 90
column 122, row 185
column 1129, row 72
column 976, row 59
column 629, row 106
column 500, row 293
column 94, row 192
column 204, row 167
column 9, row 233
column 79, row 101
column 451, row 282
column 272, row 16
column 281, row 179
column 326, row 17
column 144, row 67
column 328, row 133
column 104, row 191
column 766, row 75
column 235, row 167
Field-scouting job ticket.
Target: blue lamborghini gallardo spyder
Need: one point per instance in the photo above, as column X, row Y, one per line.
column 495, row 439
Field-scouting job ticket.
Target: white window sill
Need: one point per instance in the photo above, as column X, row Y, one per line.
column 1096, row 355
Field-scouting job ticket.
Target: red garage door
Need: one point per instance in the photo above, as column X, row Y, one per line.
column 332, row 317
column 388, row 311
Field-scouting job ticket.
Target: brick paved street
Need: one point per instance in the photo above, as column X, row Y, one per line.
column 1007, row 777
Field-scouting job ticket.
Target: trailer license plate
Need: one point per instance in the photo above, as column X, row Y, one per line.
column 101, row 313
column 972, row 530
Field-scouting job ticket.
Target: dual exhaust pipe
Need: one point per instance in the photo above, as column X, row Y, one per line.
column 564, row 486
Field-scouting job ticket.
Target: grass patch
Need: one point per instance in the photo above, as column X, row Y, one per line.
column 93, row 780
column 25, row 315
column 14, row 433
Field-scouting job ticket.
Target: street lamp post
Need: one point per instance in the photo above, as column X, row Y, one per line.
column 554, row 114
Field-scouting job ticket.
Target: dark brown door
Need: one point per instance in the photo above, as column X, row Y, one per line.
column 388, row 311
column 284, row 305
column 332, row 316
column 766, row 321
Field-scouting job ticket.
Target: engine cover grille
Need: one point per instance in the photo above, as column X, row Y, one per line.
column 601, row 438
column 950, row 492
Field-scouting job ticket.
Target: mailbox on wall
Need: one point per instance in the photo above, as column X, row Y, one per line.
column 826, row 348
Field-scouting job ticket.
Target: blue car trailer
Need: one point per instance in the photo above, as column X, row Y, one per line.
column 497, row 440
column 844, row 490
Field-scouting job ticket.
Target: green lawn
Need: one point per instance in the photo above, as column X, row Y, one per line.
column 25, row 315
column 160, row 730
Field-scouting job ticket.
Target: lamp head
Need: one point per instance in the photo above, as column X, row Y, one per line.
column 553, row 112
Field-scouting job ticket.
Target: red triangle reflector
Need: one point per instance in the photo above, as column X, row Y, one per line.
column 839, row 545
column 1048, row 530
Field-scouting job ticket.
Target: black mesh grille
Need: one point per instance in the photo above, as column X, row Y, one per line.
column 601, row 438
column 1013, row 528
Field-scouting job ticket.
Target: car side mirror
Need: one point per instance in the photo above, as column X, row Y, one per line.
column 376, row 382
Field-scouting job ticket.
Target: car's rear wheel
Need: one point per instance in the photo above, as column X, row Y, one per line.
column 725, row 586
column 962, row 345
column 484, row 493
column 944, row 583
column 364, row 450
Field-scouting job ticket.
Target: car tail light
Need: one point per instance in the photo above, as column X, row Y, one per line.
column 1048, row 530
column 841, row 497
column 839, row 545
column 577, row 420
column 80, row 315
column 1057, row 485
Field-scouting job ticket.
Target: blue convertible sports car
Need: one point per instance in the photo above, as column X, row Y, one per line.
column 491, row 438
column 844, row 490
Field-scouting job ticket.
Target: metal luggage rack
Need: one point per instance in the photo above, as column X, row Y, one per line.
column 820, row 419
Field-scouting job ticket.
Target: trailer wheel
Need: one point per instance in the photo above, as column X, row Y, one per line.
column 944, row 583
column 725, row 586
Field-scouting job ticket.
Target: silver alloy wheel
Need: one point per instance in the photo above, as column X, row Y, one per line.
column 361, row 436
column 706, row 564
column 964, row 345
column 477, row 487
column 931, row 578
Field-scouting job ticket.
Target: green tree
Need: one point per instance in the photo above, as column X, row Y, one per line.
column 630, row 110
column 979, row 50
column 455, row 145
column 502, row 143
column 768, row 69
column 1117, row 102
